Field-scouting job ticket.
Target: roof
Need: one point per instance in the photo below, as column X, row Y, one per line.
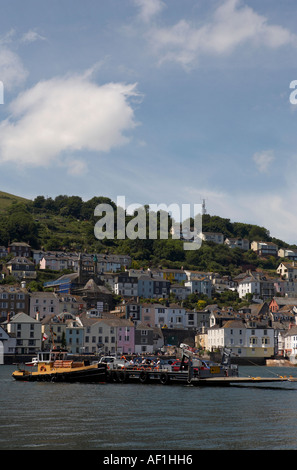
column 92, row 287
column 144, row 326
column 292, row 331
column 107, row 318
column 22, row 318
column 285, row 300
column 234, row 324
column 19, row 244
column 20, row 260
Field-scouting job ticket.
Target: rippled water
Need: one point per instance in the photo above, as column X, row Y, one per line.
column 54, row 416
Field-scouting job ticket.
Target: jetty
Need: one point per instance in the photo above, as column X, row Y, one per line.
column 166, row 377
column 190, row 370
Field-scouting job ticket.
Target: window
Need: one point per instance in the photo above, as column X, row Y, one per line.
column 265, row 341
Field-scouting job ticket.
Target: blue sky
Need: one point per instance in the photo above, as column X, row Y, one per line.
column 162, row 101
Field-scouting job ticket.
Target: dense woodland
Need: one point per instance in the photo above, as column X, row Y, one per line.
column 67, row 223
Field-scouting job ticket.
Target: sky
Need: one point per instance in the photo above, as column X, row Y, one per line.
column 159, row 101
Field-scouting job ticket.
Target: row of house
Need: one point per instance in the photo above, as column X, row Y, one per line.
column 84, row 334
column 254, row 332
column 262, row 248
column 263, row 286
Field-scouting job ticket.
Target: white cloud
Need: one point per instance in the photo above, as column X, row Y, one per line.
column 32, row 36
column 149, row 8
column 232, row 24
column 12, row 70
column 263, row 160
column 266, row 209
column 58, row 117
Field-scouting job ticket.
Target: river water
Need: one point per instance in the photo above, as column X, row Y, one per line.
column 53, row 416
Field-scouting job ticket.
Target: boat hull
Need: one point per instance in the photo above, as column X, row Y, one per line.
column 84, row 375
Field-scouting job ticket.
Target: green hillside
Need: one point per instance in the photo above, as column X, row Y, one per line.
column 7, row 199
column 67, row 223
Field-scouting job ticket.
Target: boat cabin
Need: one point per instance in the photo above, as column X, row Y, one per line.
column 52, row 356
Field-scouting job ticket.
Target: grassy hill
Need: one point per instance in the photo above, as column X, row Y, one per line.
column 67, row 223
column 6, row 200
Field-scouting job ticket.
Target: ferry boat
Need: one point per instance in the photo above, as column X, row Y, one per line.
column 55, row 366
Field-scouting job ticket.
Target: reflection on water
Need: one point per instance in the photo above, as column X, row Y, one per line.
column 131, row 416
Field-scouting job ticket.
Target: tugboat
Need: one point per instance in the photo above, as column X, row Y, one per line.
column 54, row 366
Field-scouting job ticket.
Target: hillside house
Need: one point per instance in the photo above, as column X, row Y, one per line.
column 57, row 262
column 112, row 263
column 20, row 250
column 148, row 314
column 125, row 285
column 288, row 253
column 249, row 285
column 3, row 251
column 153, row 287
column 217, row 316
column 287, row 270
column 13, row 300
column 21, row 268
column 42, row 304
column 181, row 292
column 286, row 287
column 279, row 302
column 200, row 286
column 257, row 284
column 242, row 243
column 215, row 237
column 173, row 275
column 265, row 249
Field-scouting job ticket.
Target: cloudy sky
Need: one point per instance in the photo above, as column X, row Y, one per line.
column 160, row 101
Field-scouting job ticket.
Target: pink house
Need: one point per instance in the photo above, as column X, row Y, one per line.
column 126, row 338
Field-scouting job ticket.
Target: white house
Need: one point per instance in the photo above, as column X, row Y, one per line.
column 290, row 344
column 245, row 339
column 176, row 316
column 249, row 285
column 7, row 344
column 27, row 331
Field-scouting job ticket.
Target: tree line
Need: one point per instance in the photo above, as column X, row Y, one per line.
column 35, row 222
